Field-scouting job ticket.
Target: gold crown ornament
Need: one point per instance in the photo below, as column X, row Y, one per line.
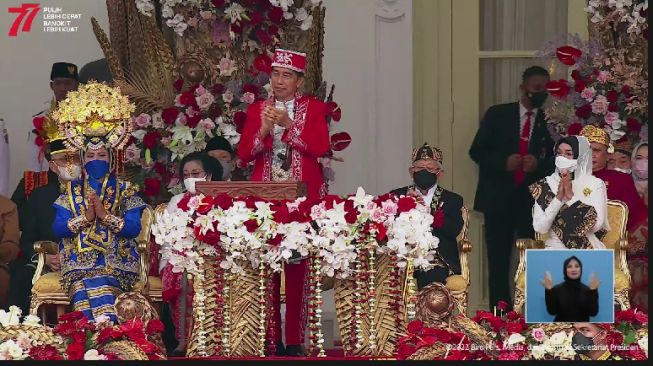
column 95, row 114
column 598, row 135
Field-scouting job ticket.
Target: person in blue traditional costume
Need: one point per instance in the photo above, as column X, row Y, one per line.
column 98, row 216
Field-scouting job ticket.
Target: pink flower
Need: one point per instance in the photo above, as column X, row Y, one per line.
column 200, row 90
column 248, row 98
column 600, row 105
column 143, row 120
column 207, row 124
column 389, row 208
column 194, row 202
column 378, row 216
column 181, row 120
column 227, row 67
column 603, row 77
column 228, row 96
column 588, row 94
column 205, row 100
column 539, row 334
column 192, row 112
column 317, row 212
column 206, row 15
column 611, row 118
column 132, row 153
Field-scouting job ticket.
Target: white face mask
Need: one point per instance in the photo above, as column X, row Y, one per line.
column 627, row 171
column 70, row 172
column 189, row 183
column 564, row 163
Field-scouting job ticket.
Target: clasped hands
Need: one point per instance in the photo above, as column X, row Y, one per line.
column 527, row 163
column 274, row 116
column 94, row 208
column 565, row 191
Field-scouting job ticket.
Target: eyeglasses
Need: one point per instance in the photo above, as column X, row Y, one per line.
column 67, row 159
column 195, row 174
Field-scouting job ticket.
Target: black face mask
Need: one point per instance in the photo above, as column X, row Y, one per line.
column 582, row 345
column 537, row 98
column 425, row 179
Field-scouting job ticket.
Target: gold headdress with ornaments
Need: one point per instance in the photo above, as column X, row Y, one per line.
column 95, row 115
column 598, row 135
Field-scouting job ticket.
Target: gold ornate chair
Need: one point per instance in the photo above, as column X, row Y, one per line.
column 458, row 285
column 46, row 288
column 615, row 239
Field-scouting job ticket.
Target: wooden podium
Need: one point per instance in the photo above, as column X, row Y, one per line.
column 241, row 301
column 264, row 190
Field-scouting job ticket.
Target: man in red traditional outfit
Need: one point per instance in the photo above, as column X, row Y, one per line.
column 284, row 136
column 620, row 185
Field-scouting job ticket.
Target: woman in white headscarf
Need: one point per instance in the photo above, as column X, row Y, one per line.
column 638, row 234
column 571, row 204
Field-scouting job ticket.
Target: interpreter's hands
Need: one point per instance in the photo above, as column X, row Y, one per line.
column 547, row 282
column 529, row 163
column 594, row 282
column 53, row 261
column 514, row 162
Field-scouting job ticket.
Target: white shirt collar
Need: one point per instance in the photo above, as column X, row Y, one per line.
column 523, row 110
column 428, row 197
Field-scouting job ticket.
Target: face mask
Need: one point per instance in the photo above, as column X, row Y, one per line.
column 564, row 163
column 627, row 171
column 425, row 179
column 227, row 168
column 640, row 168
column 537, row 99
column 97, row 168
column 70, row 172
column 189, row 183
column 583, row 345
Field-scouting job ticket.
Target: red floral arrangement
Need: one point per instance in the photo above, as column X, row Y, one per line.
column 419, row 337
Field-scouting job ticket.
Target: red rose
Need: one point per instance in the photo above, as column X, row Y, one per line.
column 193, row 121
column 513, row 315
column 255, row 18
column 415, row 326
column 381, row 232
column 250, row 202
column 438, row 218
column 250, row 88
column 223, row 201
column 641, row 317
column 275, row 14
column 263, row 37
column 558, row 88
column 627, row 316
column 576, row 75
column 45, row 352
column 212, row 237
column 75, row 351
column 251, row 225
column 151, row 139
column 502, row 305
column 38, row 122
column 633, row 124
column 169, row 115
column 405, row 204
column 584, row 111
column 625, row 90
column 574, row 129
column 178, row 84
column 613, row 107
column 237, row 28
column 579, row 86
column 263, row 63
column 276, row 240
column 217, row 3
column 568, row 55
column 514, row 328
column 351, row 217
column 152, row 187
column 497, row 323
column 187, row 99
column 612, row 96
column 273, row 29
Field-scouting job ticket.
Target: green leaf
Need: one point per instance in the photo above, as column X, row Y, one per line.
column 148, row 157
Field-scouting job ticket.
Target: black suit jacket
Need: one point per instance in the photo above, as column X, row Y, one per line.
column 20, row 198
column 39, row 216
column 452, row 204
column 497, row 138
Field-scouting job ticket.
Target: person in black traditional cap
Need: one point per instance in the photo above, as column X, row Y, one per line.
column 36, row 219
column 446, row 208
column 220, row 149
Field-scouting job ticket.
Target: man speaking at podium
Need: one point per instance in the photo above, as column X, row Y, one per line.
column 284, row 136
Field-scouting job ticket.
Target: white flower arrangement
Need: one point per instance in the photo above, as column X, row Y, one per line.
column 557, row 346
column 410, row 236
column 19, row 348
